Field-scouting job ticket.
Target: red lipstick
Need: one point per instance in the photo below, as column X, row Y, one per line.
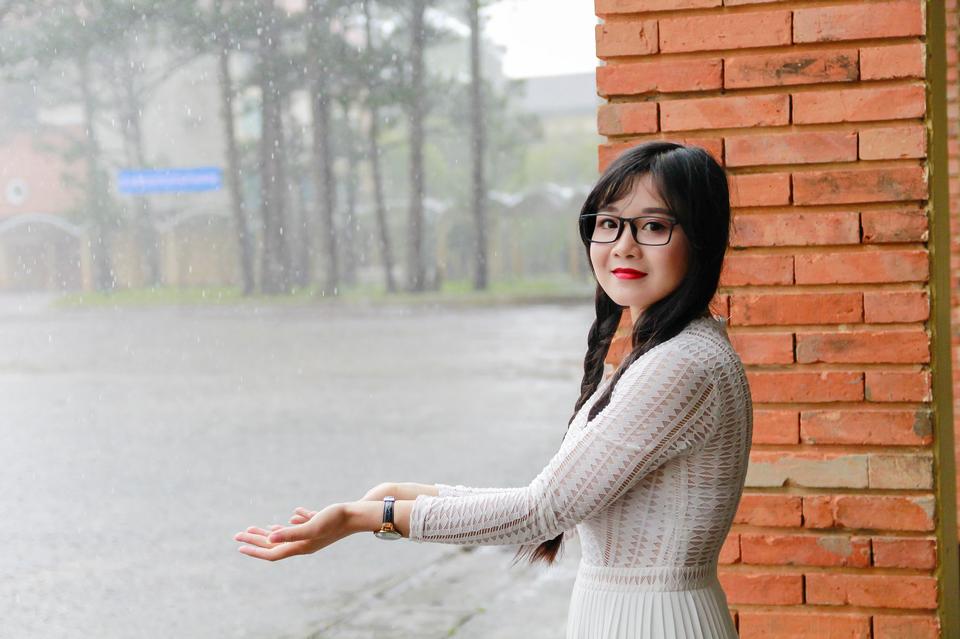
column 628, row 273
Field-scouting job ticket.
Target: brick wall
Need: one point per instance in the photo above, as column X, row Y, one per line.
column 818, row 110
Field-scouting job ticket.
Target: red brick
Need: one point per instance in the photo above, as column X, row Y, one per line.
column 759, row 509
column 720, row 305
column 895, row 306
column 775, row 426
column 634, row 37
column 791, row 386
column 896, row 386
column 739, row 270
column 860, row 185
column 791, row 148
column 627, row 117
column 906, row 627
column 901, row 552
column 893, row 61
column 877, row 512
column 730, row 551
column 607, row 153
column 894, row 142
column 725, row 112
column 805, row 550
column 788, row 69
column 625, row 327
column 818, row 512
column 858, row 21
column 759, row 189
column 862, row 267
column 762, row 588
column 881, row 591
column 764, row 624
column 604, row 7
column 908, row 225
column 661, row 76
column 725, row 31
column 764, row 348
column 910, row 346
column 905, row 427
column 862, row 104
column 712, row 145
column 796, row 229
column 796, row 308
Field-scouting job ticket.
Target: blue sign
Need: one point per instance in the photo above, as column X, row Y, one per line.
column 139, row 181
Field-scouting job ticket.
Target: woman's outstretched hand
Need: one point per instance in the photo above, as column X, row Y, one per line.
column 312, row 530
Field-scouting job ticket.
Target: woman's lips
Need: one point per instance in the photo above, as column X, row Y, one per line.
column 629, row 274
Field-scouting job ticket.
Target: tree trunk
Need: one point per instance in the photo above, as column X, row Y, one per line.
column 322, row 148
column 415, row 261
column 244, row 241
column 350, row 219
column 302, row 275
column 374, row 142
column 275, row 275
column 96, row 186
column 146, row 233
column 478, row 143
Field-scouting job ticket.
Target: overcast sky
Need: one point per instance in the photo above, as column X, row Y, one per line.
column 544, row 37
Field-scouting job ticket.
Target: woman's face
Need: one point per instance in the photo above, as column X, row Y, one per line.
column 664, row 266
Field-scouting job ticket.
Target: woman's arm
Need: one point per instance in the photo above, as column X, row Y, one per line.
column 363, row 516
column 409, row 490
column 665, row 404
column 402, row 490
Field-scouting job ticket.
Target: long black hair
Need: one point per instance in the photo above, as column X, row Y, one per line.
column 694, row 187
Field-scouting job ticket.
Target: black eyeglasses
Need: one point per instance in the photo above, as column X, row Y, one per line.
column 604, row 228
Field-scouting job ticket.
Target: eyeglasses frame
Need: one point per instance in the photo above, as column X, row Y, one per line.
column 633, row 227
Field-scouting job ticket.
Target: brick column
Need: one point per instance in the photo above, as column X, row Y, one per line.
column 826, row 116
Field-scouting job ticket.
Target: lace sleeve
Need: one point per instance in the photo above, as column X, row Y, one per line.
column 459, row 490
column 661, row 407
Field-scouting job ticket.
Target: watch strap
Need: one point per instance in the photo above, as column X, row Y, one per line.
column 388, row 513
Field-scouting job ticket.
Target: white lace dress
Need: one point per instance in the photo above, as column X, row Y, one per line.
column 651, row 486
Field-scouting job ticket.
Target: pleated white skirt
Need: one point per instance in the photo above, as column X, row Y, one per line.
column 602, row 611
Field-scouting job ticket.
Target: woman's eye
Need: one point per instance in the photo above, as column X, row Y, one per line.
column 656, row 226
column 608, row 223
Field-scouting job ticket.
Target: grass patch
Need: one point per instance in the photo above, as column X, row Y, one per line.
column 541, row 289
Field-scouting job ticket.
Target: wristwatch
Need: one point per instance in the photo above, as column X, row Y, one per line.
column 388, row 530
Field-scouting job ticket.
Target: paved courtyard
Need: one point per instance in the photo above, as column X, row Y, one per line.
column 137, row 441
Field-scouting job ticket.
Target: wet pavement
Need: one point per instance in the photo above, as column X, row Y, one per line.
column 136, row 442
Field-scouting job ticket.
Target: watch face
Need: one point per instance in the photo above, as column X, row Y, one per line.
column 388, row 534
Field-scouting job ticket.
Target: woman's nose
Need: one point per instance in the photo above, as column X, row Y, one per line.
column 626, row 245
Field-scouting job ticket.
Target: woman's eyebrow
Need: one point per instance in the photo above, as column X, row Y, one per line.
column 649, row 209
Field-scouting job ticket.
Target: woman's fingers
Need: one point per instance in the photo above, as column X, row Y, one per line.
column 279, row 551
column 302, row 515
column 257, row 539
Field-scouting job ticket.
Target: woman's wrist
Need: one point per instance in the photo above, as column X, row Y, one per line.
column 367, row 516
column 363, row 516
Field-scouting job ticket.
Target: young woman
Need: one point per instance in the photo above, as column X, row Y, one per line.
column 652, row 465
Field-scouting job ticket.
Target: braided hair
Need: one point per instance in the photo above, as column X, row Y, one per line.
column 694, row 187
